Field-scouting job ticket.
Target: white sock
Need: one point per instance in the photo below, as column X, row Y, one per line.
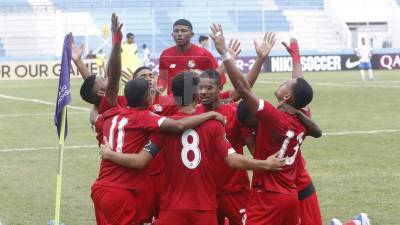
column 371, row 75
column 362, row 74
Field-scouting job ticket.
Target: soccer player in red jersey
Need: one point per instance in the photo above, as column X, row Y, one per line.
column 273, row 199
column 114, row 192
column 233, row 185
column 183, row 56
column 309, row 210
column 189, row 190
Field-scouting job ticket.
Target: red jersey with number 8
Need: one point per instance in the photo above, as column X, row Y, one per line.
column 188, row 157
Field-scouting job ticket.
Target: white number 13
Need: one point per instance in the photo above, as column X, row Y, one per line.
column 289, row 135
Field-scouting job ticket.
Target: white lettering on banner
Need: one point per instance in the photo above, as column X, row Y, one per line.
column 309, row 63
column 39, row 70
column 390, row 61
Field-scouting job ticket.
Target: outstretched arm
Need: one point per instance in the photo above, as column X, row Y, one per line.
column 114, row 63
column 238, row 80
column 272, row 163
column 262, row 50
column 77, row 59
column 134, row 160
column 190, row 122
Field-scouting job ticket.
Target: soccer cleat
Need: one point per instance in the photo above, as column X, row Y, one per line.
column 363, row 218
column 335, row 221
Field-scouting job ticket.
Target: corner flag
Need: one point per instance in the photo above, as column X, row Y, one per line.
column 60, row 116
column 64, row 94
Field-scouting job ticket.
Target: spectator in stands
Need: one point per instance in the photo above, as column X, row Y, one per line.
column 364, row 52
column 146, row 55
column 100, row 58
column 129, row 53
column 203, row 41
column 91, row 55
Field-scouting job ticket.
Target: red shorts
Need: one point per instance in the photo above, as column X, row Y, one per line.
column 186, row 217
column 271, row 208
column 232, row 206
column 149, row 199
column 309, row 211
column 114, row 206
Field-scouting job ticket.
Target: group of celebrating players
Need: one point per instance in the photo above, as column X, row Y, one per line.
column 177, row 159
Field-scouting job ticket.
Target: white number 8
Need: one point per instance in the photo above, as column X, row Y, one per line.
column 187, row 147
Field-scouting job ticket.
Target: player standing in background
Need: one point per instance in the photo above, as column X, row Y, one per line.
column 146, row 55
column 189, row 196
column 183, row 56
column 273, row 199
column 129, row 53
column 203, row 41
column 364, row 52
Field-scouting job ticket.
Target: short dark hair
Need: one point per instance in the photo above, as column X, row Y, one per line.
column 185, row 88
column 144, row 46
column 242, row 112
column 212, row 74
column 140, row 69
column 87, row 92
column 136, row 91
column 202, row 38
column 302, row 93
column 128, row 35
column 183, row 22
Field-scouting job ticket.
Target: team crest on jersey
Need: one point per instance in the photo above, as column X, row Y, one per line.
column 157, row 108
column 191, row 63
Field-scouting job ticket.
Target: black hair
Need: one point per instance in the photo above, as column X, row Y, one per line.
column 87, row 92
column 242, row 112
column 212, row 74
column 144, row 46
column 140, row 69
column 302, row 93
column 128, row 35
column 136, row 91
column 202, row 38
column 185, row 88
column 183, row 22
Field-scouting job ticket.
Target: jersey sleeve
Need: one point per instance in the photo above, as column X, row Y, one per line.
column 150, row 121
column 163, row 72
column 221, row 143
column 156, row 140
column 267, row 113
column 244, row 131
column 99, row 128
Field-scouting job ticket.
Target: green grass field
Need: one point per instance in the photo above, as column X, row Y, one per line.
column 355, row 167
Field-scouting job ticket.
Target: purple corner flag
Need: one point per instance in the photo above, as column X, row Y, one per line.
column 64, row 94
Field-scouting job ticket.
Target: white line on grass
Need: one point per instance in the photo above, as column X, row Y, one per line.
column 35, row 114
column 335, row 84
column 40, row 102
column 46, row 148
column 95, row 146
column 360, row 132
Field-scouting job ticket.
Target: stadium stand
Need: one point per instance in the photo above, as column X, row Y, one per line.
column 2, row 50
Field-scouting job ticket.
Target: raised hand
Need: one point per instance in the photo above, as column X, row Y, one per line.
column 264, row 48
column 217, row 36
column 234, row 48
column 116, row 29
column 293, row 48
column 76, row 51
